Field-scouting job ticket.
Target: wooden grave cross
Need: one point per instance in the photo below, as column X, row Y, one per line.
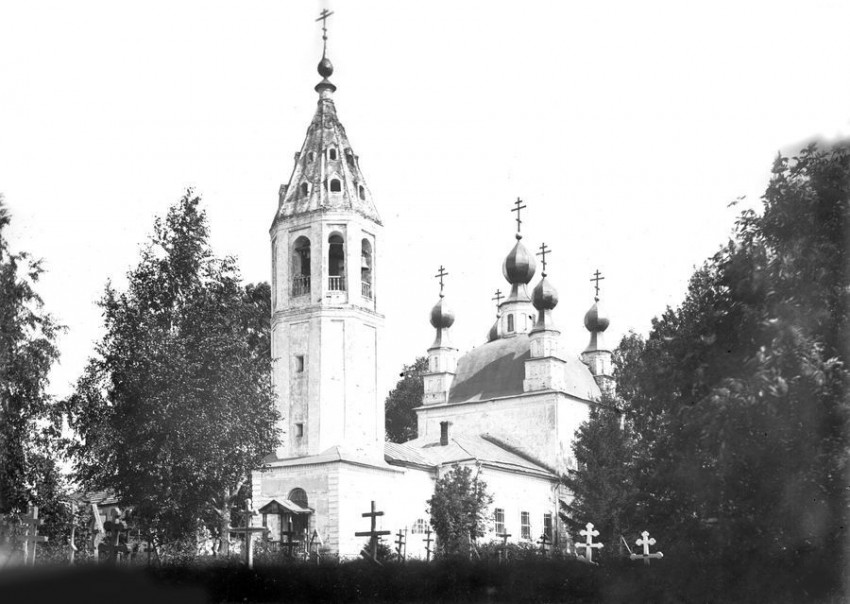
column 428, row 542
column 589, row 533
column 646, row 541
column 31, row 536
column 373, row 534
column 113, row 547
column 401, row 544
column 503, row 552
column 544, row 543
column 249, row 531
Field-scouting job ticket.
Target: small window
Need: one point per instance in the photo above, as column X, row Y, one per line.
column 499, row 521
column 362, row 191
column 311, row 156
column 547, row 526
column 299, row 363
column 332, row 153
column 510, row 322
column 304, row 189
column 336, row 186
column 299, row 430
column 419, row 527
column 525, row 525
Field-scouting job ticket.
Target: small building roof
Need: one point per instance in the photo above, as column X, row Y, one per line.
column 429, row 453
column 497, row 369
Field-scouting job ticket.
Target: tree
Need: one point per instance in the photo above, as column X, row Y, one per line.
column 738, row 397
column 601, row 485
column 177, row 405
column 458, row 509
column 402, row 400
column 29, row 424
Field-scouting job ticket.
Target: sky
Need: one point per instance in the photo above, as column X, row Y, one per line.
column 627, row 129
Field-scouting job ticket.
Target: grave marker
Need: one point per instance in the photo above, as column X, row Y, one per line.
column 589, row 533
column 249, row 531
column 373, row 534
column 646, row 541
column 428, row 541
column 31, row 537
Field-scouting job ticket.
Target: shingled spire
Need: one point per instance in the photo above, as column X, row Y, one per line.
column 326, row 175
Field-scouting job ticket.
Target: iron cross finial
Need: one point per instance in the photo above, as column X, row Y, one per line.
column 440, row 274
column 519, row 207
column 597, row 277
column 498, row 297
column 542, row 253
column 323, row 17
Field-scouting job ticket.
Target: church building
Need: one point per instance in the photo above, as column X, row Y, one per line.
column 509, row 408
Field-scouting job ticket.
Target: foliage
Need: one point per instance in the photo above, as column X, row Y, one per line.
column 458, row 509
column 402, row 400
column 177, row 406
column 29, row 423
column 737, row 397
column 602, row 486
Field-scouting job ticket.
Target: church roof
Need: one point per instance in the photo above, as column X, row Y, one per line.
column 428, row 452
column 326, row 156
column 497, row 369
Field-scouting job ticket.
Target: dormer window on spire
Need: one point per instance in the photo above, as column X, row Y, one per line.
column 332, row 153
column 305, row 189
column 362, row 191
column 336, row 185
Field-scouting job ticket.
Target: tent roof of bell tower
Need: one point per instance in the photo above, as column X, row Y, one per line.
column 326, row 175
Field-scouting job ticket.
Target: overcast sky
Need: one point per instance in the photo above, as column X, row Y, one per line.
column 627, row 128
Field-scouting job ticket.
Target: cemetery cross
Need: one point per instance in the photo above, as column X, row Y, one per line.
column 373, row 534
column 589, row 533
column 646, row 541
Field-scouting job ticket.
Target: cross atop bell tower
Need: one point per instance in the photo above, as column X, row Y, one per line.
column 325, row 324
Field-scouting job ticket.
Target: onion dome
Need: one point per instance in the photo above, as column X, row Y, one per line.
column 493, row 334
column 544, row 296
column 442, row 317
column 325, row 67
column 596, row 319
column 519, row 265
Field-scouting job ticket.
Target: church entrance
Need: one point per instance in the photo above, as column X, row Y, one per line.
column 288, row 520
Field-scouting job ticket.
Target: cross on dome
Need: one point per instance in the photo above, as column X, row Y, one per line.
column 440, row 274
column 498, row 297
column 597, row 277
column 519, row 207
column 323, row 17
column 542, row 253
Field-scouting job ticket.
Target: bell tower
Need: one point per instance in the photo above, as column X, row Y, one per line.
column 325, row 324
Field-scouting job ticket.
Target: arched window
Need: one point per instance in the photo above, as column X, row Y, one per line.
column 336, row 186
column 336, row 263
column 301, row 267
column 298, row 497
column 510, row 322
column 311, row 156
column 362, row 191
column 366, row 268
column 304, row 189
column 332, row 153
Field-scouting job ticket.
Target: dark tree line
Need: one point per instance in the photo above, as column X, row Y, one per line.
column 736, row 408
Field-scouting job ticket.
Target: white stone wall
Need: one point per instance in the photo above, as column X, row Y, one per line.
column 544, row 424
column 517, row 493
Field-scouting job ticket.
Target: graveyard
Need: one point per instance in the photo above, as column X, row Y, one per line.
column 227, row 429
